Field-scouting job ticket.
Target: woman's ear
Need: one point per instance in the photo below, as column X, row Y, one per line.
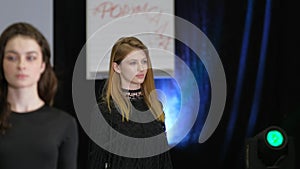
column 116, row 67
column 43, row 67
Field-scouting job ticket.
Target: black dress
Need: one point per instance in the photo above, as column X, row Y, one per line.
column 100, row 158
column 41, row 139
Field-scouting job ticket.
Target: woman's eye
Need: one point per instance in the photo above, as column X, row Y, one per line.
column 30, row 58
column 11, row 58
column 145, row 61
column 132, row 63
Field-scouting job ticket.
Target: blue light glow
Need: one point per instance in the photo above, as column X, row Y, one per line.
column 180, row 100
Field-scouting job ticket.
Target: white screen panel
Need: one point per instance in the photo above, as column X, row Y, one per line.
column 39, row 13
column 151, row 21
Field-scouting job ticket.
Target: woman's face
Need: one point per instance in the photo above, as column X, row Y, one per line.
column 22, row 62
column 132, row 69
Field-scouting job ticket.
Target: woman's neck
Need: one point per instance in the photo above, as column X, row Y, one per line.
column 131, row 86
column 24, row 99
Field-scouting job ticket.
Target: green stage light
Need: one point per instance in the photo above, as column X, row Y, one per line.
column 271, row 148
column 275, row 138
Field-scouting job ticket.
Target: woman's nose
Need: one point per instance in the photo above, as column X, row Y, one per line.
column 21, row 64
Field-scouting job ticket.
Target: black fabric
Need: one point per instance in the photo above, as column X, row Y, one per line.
column 46, row 138
column 102, row 159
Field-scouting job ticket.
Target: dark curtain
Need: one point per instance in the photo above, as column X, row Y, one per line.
column 253, row 40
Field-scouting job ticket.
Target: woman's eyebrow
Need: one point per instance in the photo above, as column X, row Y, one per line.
column 15, row 52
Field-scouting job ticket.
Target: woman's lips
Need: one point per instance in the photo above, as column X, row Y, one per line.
column 22, row 76
column 140, row 76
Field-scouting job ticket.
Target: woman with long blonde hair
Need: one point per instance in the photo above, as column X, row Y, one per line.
column 130, row 105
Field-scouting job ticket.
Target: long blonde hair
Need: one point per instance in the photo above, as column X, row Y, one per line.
column 112, row 88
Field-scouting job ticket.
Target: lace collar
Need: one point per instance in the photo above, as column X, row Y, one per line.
column 133, row 94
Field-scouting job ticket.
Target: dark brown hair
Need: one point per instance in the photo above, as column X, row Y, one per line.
column 47, row 84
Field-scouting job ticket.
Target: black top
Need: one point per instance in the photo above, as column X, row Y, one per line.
column 100, row 158
column 46, row 138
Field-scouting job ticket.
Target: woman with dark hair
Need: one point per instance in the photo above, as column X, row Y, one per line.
column 130, row 106
column 33, row 134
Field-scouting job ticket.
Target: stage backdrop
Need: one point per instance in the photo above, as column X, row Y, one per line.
column 36, row 12
column 150, row 21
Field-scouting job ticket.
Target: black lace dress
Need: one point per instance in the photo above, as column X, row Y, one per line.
column 100, row 158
